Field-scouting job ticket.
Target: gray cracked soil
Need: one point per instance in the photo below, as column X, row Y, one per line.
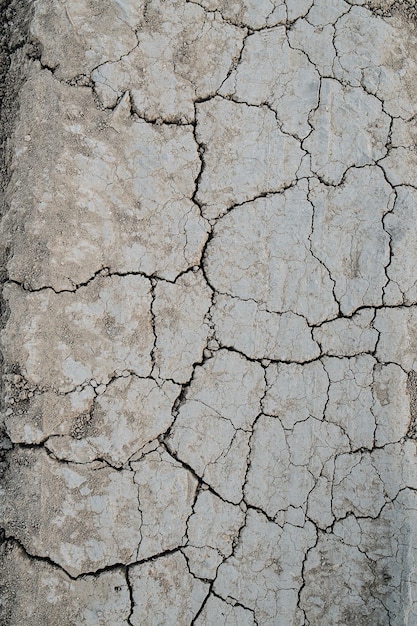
column 209, row 323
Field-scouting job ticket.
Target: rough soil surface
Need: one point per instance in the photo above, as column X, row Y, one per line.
column 209, row 316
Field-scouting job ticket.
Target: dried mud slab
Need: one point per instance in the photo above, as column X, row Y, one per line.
column 208, row 410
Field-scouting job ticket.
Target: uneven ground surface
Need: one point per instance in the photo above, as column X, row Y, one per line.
column 209, row 319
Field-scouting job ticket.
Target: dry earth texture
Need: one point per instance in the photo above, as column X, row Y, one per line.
column 209, row 253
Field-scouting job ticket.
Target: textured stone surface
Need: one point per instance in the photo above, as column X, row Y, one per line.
column 208, row 323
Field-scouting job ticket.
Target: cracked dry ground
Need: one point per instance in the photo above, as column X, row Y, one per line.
column 210, row 312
